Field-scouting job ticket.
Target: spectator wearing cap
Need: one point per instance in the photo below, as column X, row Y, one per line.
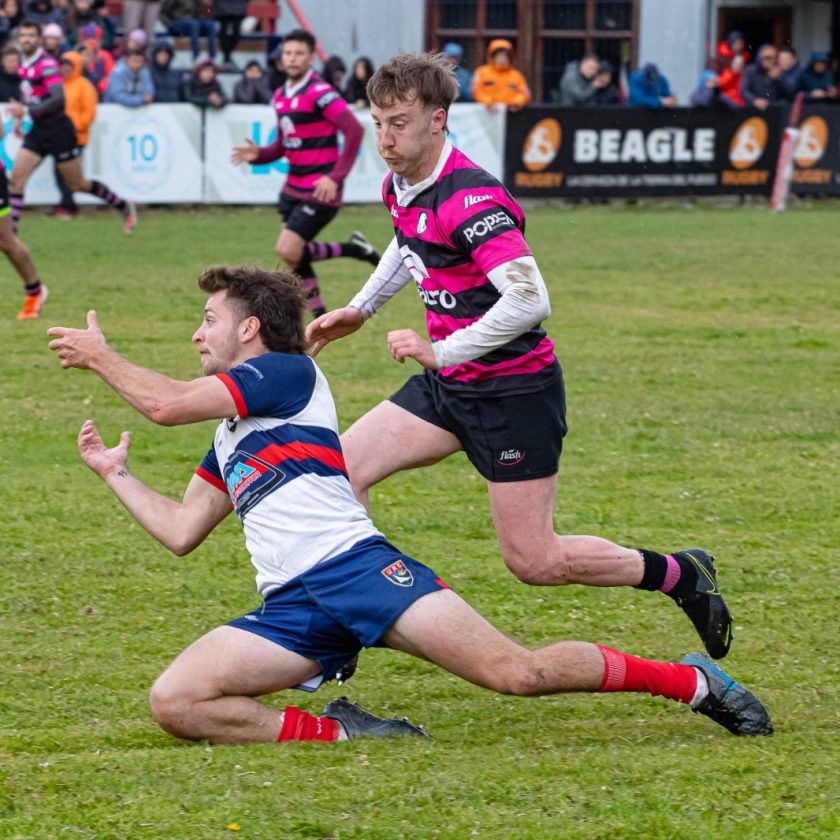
column 98, row 62
column 454, row 54
column 9, row 78
column 818, row 81
column 734, row 45
column 229, row 14
column 253, row 87
column 168, row 83
column 760, row 85
column 141, row 14
column 80, row 101
column 135, row 40
column 185, row 19
column 650, row 89
column 130, row 83
column 498, row 82
column 607, row 90
column 53, row 40
column 203, row 88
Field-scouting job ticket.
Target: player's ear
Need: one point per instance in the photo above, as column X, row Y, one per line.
column 439, row 120
column 249, row 328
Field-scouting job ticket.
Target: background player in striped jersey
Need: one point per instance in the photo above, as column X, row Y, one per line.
column 35, row 293
column 310, row 113
column 331, row 582
column 492, row 385
column 52, row 132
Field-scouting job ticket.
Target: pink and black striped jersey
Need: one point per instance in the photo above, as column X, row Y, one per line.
column 451, row 235
column 38, row 74
column 306, row 121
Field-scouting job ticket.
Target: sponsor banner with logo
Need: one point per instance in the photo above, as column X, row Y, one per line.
column 150, row 154
column 816, row 156
column 633, row 151
column 479, row 132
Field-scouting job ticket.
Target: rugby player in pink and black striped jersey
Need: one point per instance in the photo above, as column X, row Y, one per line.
column 310, row 113
column 491, row 385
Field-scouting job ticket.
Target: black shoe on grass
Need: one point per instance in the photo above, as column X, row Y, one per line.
column 369, row 253
column 729, row 703
column 705, row 606
column 358, row 723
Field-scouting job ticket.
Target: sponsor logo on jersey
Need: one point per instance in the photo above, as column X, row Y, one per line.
column 488, row 224
column 469, row 200
column 436, row 297
column 541, row 145
column 812, row 143
column 510, row 457
column 398, row 574
column 394, row 212
column 256, row 371
column 422, row 223
column 249, row 479
column 748, row 143
column 325, row 100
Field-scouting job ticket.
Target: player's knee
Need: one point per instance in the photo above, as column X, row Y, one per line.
column 517, row 677
column 532, row 567
column 290, row 255
column 171, row 709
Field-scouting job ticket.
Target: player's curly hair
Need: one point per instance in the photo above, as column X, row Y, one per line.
column 276, row 298
column 409, row 76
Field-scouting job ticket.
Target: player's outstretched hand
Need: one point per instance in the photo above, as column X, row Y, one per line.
column 78, row 348
column 102, row 461
column 333, row 325
column 407, row 344
column 325, row 189
column 246, row 153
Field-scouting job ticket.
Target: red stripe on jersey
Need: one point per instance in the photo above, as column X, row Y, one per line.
column 211, row 479
column 275, row 454
column 238, row 399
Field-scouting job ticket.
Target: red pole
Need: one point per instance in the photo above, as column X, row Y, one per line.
column 305, row 24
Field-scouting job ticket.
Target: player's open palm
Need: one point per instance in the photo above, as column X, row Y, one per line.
column 246, row 153
column 331, row 326
column 97, row 456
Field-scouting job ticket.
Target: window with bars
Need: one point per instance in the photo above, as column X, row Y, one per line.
column 548, row 34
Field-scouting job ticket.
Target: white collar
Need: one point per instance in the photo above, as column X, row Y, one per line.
column 291, row 90
column 407, row 193
column 28, row 62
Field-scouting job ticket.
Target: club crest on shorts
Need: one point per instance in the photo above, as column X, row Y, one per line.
column 399, row 574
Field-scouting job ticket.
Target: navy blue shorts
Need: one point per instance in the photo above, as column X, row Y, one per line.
column 333, row 610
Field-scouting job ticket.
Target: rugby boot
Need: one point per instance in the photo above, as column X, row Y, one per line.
column 729, row 703
column 129, row 215
column 32, row 305
column 359, row 723
column 369, row 253
column 705, row 606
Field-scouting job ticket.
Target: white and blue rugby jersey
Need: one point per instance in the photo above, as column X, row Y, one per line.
column 280, row 461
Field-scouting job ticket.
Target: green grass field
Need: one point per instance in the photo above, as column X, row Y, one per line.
column 702, row 355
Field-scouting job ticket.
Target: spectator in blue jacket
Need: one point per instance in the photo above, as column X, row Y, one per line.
column 168, row 83
column 130, row 83
column 454, row 55
column 818, row 81
column 649, row 88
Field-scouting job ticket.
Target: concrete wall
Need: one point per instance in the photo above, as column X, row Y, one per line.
column 672, row 35
column 350, row 28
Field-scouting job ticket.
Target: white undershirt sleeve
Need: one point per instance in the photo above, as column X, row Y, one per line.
column 522, row 305
column 387, row 279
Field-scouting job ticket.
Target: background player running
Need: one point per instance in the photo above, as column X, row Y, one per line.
column 492, row 385
column 18, row 254
column 310, row 113
column 331, row 582
column 52, row 131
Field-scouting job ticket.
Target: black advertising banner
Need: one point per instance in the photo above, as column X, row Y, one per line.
column 816, row 155
column 602, row 152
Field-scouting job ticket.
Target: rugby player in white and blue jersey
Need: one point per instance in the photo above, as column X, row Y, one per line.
column 330, row 582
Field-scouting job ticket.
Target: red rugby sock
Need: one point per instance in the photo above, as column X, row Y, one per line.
column 301, row 726
column 623, row 672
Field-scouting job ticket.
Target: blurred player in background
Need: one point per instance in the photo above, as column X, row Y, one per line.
column 35, row 292
column 492, row 385
column 330, row 581
column 52, row 132
column 310, row 114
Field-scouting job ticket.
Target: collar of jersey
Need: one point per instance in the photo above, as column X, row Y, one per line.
column 291, row 91
column 28, row 62
column 406, row 194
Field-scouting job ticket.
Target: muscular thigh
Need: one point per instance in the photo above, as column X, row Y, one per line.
column 229, row 661
column 388, row 439
column 25, row 164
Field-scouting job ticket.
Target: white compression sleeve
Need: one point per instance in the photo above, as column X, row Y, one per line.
column 387, row 279
column 522, row 305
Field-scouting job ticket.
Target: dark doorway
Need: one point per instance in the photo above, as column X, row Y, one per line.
column 759, row 24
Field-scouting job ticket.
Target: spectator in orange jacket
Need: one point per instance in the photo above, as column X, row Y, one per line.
column 498, row 82
column 80, row 99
